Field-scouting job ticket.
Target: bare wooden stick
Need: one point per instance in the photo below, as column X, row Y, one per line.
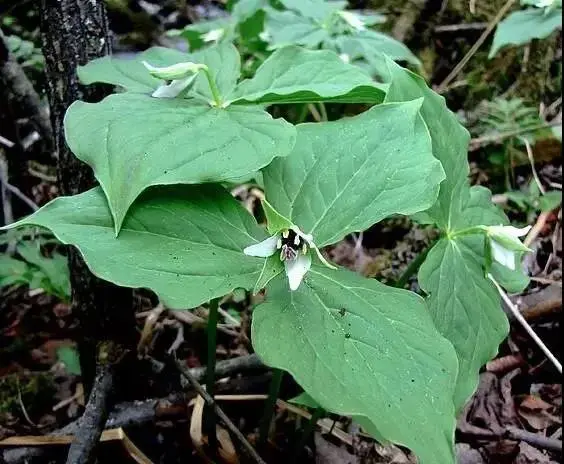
column 92, row 421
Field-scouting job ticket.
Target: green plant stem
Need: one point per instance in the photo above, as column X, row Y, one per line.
column 213, row 87
column 269, row 406
column 412, row 268
column 308, row 429
column 210, row 373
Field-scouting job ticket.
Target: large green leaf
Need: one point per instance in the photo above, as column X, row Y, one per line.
column 369, row 44
column 295, row 75
column 184, row 242
column 346, row 175
column 130, row 74
column 520, row 27
column 464, row 303
column 284, row 28
column 133, row 141
column 465, row 307
column 223, row 61
column 363, row 349
column 450, row 141
column 317, row 10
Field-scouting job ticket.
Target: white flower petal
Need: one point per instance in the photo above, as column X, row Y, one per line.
column 213, row 35
column 263, row 249
column 296, row 269
column 503, row 256
column 510, row 231
column 173, row 89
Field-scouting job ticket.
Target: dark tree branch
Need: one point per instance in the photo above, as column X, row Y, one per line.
column 94, row 418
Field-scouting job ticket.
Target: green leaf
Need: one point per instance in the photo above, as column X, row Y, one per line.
column 284, row 28
column 68, row 355
column 520, row 27
column 245, row 9
column 550, row 201
column 465, row 307
column 363, row 349
column 275, row 222
column 271, row 268
column 194, row 33
column 13, row 271
column 224, row 63
column 303, row 399
column 55, row 270
column 369, row 45
column 134, row 141
column 317, row 10
column 183, row 242
column 346, row 175
column 450, row 142
column 295, row 75
column 130, row 74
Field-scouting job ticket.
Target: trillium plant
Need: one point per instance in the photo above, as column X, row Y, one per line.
column 182, row 127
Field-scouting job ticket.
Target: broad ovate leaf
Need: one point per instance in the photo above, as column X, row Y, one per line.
column 465, row 307
column 369, row 45
column 295, row 75
column 520, row 27
column 360, row 348
column 450, row 142
column 285, row 28
column 129, row 73
column 344, row 176
column 133, row 141
column 183, row 242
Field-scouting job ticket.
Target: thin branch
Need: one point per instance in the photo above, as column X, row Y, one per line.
column 219, row 412
column 517, row 314
column 501, row 13
column 477, row 142
column 87, row 437
column 532, row 161
column 18, row 193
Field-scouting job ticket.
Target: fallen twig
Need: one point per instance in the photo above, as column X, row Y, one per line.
column 219, row 412
column 92, row 421
column 515, row 311
column 491, row 26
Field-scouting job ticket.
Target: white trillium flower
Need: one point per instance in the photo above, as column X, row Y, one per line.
column 345, row 58
column 504, row 241
column 180, row 75
column 293, row 246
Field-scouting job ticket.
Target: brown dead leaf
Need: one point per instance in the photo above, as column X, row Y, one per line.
column 538, row 413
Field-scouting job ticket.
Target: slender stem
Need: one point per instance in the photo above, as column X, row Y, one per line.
column 270, row 405
column 303, row 114
column 250, row 451
column 210, row 373
column 308, row 429
column 412, row 268
column 213, row 87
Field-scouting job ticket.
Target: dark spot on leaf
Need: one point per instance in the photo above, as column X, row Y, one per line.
column 342, row 311
column 413, row 380
column 347, row 335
